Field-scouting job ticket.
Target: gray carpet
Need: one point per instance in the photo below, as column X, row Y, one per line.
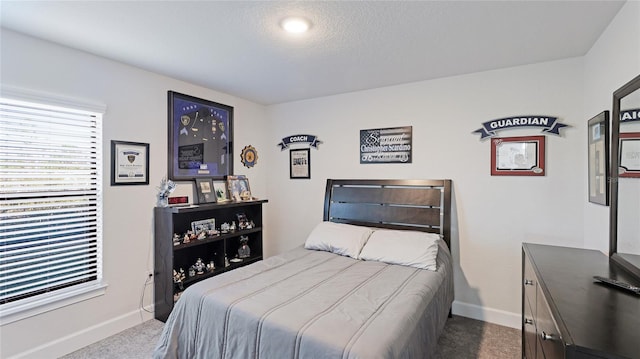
column 462, row 338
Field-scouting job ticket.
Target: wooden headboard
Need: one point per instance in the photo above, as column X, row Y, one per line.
column 422, row 205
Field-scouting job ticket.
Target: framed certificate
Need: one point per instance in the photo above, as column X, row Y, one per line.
column 629, row 154
column 300, row 163
column 598, row 142
column 129, row 163
column 517, row 156
column 204, row 189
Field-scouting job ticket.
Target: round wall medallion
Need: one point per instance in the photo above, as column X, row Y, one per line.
column 249, row 156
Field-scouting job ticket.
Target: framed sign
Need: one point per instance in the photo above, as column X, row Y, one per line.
column 629, row 154
column 200, row 138
column 386, row 145
column 300, row 163
column 204, row 189
column 129, row 163
column 517, row 156
column 598, row 142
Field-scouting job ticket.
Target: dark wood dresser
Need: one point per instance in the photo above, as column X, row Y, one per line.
column 566, row 314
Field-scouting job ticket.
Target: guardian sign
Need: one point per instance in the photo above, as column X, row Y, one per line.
column 547, row 123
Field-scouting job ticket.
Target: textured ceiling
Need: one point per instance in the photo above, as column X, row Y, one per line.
column 238, row 48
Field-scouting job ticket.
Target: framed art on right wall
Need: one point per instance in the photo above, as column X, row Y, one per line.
column 598, row 143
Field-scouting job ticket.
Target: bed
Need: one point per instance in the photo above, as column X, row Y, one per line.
column 346, row 293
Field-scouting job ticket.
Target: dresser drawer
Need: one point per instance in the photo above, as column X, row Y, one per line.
column 529, row 332
column 529, row 284
column 547, row 331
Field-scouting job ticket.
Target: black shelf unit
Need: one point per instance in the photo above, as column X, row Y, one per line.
column 170, row 220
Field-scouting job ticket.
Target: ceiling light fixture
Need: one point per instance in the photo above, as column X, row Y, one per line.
column 295, row 25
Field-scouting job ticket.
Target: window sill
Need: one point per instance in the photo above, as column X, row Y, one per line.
column 13, row 312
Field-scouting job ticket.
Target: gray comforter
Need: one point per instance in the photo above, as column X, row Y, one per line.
column 312, row 304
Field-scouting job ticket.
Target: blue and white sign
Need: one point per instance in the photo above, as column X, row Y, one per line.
column 311, row 140
column 630, row 115
column 547, row 123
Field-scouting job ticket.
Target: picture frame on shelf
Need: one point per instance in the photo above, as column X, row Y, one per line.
column 629, row 159
column 129, row 163
column 204, row 191
column 200, row 138
column 220, row 188
column 598, row 154
column 518, row 156
column 300, row 163
column 238, row 188
column 204, row 225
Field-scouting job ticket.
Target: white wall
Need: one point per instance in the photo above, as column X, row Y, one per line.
column 611, row 62
column 492, row 215
column 136, row 103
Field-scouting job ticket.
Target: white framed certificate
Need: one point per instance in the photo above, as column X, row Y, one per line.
column 518, row 156
column 629, row 154
column 129, row 163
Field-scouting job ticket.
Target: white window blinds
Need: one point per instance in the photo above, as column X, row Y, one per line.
column 50, row 198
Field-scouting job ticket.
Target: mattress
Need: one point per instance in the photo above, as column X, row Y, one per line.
column 312, row 304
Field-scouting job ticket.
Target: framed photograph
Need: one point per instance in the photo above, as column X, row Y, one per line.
column 629, row 154
column 200, row 138
column 300, row 163
column 598, row 142
column 517, row 156
column 220, row 188
column 129, row 163
column 204, row 225
column 238, row 187
column 204, row 191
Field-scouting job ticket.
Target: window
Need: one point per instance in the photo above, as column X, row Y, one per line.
column 50, row 202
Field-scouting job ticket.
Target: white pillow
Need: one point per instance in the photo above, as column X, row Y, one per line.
column 338, row 238
column 409, row 248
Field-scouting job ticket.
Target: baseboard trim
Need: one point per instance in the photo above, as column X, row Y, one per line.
column 80, row 339
column 495, row 316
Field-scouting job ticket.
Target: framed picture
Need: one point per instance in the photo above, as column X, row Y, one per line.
column 598, row 142
column 205, row 225
column 204, row 190
column 238, row 187
column 300, row 163
column 200, row 138
column 129, row 163
column 517, row 156
column 629, row 154
column 220, row 188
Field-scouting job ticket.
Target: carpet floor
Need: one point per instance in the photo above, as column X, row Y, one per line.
column 463, row 338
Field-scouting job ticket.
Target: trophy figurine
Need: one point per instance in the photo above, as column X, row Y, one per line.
column 244, row 251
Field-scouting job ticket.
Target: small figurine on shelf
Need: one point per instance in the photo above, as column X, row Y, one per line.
column 176, row 239
column 226, row 261
column 232, row 228
column 225, row 227
column 199, row 266
column 165, row 189
column 186, row 238
column 178, row 277
column 211, row 267
column 202, row 235
column 244, row 251
column 192, row 271
column 251, row 225
column 243, row 222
